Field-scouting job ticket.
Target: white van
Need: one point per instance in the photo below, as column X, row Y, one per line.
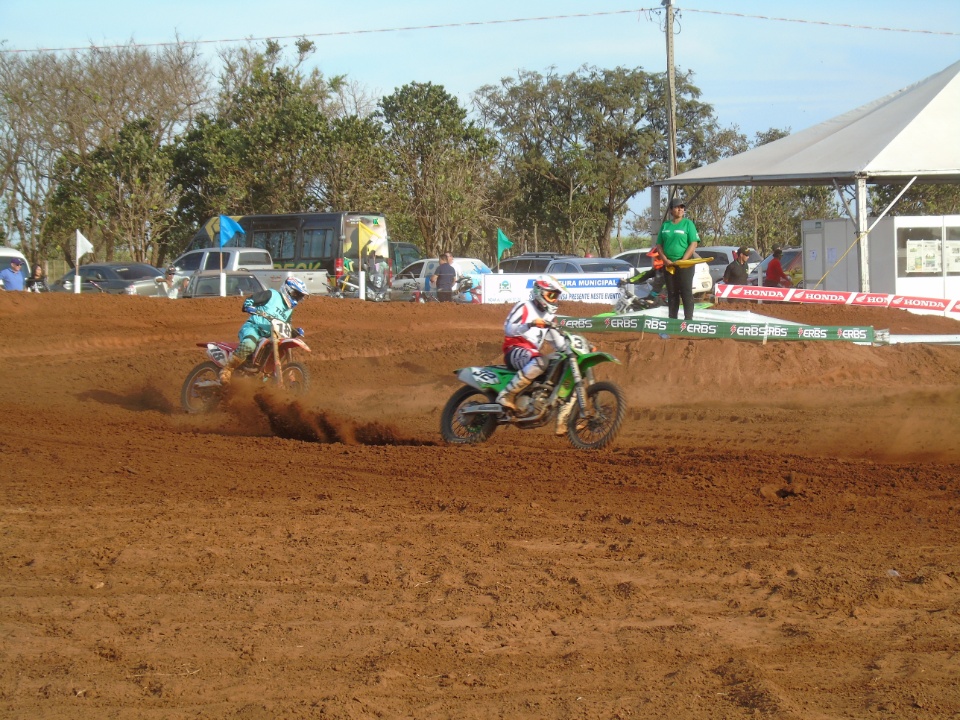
column 7, row 254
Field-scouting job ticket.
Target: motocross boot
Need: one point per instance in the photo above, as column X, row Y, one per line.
column 508, row 396
column 563, row 415
column 226, row 372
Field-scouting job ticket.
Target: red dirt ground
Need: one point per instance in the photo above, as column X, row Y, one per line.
column 774, row 533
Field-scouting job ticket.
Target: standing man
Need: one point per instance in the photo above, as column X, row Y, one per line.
column 444, row 278
column 678, row 240
column 775, row 276
column 11, row 276
column 737, row 271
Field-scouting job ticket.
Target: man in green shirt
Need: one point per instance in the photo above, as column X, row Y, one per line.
column 678, row 240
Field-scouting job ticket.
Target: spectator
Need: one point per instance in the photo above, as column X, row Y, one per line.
column 11, row 276
column 678, row 240
column 37, row 282
column 775, row 276
column 171, row 283
column 737, row 271
column 445, row 278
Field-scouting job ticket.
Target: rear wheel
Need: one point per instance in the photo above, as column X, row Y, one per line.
column 600, row 426
column 201, row 390
column 462, row 428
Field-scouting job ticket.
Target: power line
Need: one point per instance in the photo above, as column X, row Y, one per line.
column 440, row 26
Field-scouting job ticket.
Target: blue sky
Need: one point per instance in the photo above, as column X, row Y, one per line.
column 756, row 73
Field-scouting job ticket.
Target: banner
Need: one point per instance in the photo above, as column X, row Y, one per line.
column 717, row 330
column 512, row 288
column 834, row 297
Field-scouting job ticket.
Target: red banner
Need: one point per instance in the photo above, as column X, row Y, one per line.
column 835, row 297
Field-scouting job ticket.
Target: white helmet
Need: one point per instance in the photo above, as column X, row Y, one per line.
column 293, row 291
column 546, row 293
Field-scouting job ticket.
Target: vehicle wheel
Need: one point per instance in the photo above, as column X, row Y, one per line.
column 201, row 389
column 296, row 378
column 460, row 429
column 600, row 427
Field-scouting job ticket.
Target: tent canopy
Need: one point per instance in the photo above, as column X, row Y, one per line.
column 913, row 132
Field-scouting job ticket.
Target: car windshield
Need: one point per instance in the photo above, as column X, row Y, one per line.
column 137, row 272
column 601, row 265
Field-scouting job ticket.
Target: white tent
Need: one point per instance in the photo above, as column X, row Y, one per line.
column 912, row 135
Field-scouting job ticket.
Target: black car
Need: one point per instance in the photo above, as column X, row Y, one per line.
column 115, row 278
column 530, row 263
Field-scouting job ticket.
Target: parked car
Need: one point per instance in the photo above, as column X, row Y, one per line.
column 115, row 278
column 223, row 259
column 7, row 254
column 722, row 255
column 421, row 271
column 792, row 262
column 530, row 263
column 207, row 284
column 576, row 265
column 404, row 254
column 702, row 280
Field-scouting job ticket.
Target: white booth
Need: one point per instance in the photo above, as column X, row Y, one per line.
column 915, row 256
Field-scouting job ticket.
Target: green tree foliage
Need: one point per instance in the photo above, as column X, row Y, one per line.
column 261, row 152
column 440, row 166
column 578, row 147
column 121, row 188
column 353, row 168
column 918, row 200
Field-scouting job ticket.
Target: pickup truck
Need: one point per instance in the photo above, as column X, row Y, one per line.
column 255, row 261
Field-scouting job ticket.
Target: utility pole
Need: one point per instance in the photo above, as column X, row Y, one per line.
column 671, row 90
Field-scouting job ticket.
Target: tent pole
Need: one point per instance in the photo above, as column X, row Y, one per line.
column 862, row 234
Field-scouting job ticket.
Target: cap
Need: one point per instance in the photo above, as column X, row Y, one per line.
column 16, row 261
column 677, row 202
column 743, row 251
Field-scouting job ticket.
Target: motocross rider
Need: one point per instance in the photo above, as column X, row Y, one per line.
column 276, row 304
column 654, row 274
column 527, row 327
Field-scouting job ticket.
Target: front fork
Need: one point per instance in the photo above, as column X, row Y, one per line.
column 579, row 387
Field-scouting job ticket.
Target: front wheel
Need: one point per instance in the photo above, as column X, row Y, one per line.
column 296, row 378
column 600, row 425
column 462, row 428
column 201, row 389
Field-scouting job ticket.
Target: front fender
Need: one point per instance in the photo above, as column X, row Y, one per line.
column 291, row 343
column 589, row 360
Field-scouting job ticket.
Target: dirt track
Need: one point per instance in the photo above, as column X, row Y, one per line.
column 774, row 534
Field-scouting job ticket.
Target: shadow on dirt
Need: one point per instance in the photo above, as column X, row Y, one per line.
column 146, row 398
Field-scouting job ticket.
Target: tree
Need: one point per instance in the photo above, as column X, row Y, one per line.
column 918, row 200
column 123, row 189
column 440, row 166
column 54, row 107
column 578, row 147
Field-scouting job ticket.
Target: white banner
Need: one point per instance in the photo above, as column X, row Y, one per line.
column 835, row 297
column 511, row 288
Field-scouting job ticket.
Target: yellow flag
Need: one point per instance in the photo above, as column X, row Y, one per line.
column 376, row 242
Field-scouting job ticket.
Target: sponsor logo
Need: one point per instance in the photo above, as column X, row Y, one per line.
column 870, row 300
column 581, row 323
column 759, row 331
column 504, row 286
column 698, row 328
column 851, row 333
column 758, row 292
column 812, row 333
column 921, row 303
column 623, row 323
column 814, row 296
column 654, row 324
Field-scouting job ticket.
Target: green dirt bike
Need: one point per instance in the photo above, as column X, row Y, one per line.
column 472, row 413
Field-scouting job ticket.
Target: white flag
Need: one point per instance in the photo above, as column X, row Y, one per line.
column 84, row 246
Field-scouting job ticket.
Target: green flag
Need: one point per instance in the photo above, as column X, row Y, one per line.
column 502, row 243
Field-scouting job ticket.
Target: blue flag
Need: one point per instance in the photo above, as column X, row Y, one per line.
column 228, row 228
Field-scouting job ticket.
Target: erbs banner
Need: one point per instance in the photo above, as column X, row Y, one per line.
column 835, row 297
column 713, row 329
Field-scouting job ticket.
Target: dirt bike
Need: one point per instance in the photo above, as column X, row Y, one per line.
column 270, row 363
column 343, row 286
column 465, row 291
column 634, row 298
column 472, row 413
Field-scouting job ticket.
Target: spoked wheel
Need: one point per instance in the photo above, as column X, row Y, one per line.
column 462, row 428
column 600, row 426
column 296, row 379
column 201, row 390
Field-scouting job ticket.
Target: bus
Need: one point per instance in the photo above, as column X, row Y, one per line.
column 334, row 242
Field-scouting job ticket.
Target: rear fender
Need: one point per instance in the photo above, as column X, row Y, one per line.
column 490, row 377
column 219, row 352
